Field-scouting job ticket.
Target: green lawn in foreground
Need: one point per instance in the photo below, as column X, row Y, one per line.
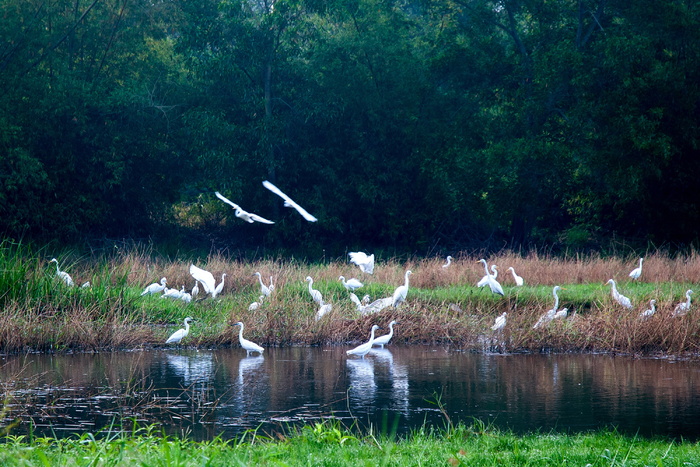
column 328, row 444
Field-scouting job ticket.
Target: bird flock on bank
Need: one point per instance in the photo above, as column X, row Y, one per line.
column 209, row 287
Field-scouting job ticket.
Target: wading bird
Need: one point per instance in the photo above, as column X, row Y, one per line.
column 500, row 322
column 646, row 314
column 315, row 294
column 323, row 309
column 683, row 307
column 358, row 304
column 364, row 262
column 288, row 202
column 64, row 276
column 491, row 279
column 255, row 305
column 485, row 280
column 263, row 288
column 245, row 343
column 195, row 290
column 180, row 334
column 550, row 314
column 401, row 291
column 351, row 285
column 207, row 280
column 618, row 297
column 155, row 287
column 448, row 262
column 363, row 349
column 173, row 293
column 378, row 305
column 518, row 280
column 240, row 213
column 383, row 340
column 637, row 271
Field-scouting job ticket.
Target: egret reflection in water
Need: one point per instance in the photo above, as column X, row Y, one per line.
column 398, row 375
column 363, row 387
column 194, row 369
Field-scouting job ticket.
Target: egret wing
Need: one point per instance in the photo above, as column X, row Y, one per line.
column 257, row 218
column 289, row 202
column 205, row 277
column 226, row 200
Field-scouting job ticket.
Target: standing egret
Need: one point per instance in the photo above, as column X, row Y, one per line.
column 401, row 291
column 383, row 340
column 500, row 322
column 493, row 283
column 64, row 276
column 550, row 314
column 364, row 262
column 315, row 294
column 155, row 287
column 255, row 305
column 245, row 343
column 184, row 296
column 646, row 314
column 358, row 304
column 351, row 285
column 180, row 334
column 263, row 288
column 272, row 285
column 323, row 309
column 363, row 349
column 618, row 297
column 240, row 213
column 448, row 262
column 207, row 280
column 637, row 271
column 683, row 307
column 518, row 280
column 195, row 290
column 485, row 280
column 288, row 202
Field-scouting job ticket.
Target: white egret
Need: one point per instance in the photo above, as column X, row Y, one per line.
column 485, row 280
column 683, row 307
column 447, row 264
column 184, row 296
column 240, row 213
column 180, row 334
column 195, row 290
column 493, row 284
column 364, row 262
column 618, row 297
column 365, row 300
column 315, row 294
column 64, row 276
column 265, row 290
column 637, row 271
column 323, row 309
column 646, row 314
column 518, row 280
column 272, row 285
column 255, row 305
column 378, row 305
column 401, row 291
column 288, row 202
column 561, row 314
column 245, row 343
column 207, row 280
column 500, row 322
column 363, row 349
column 155, row 287
column 358, row 304
column 351, row 285
column 86, row 285
column 173, row 293
column 383, row 340
column 550, row 314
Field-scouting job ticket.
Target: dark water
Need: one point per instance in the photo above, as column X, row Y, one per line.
column 207, row 393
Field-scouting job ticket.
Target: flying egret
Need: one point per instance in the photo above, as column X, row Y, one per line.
column 155, row 287
column 180, row 334
column 64, row 276
column 518, row 280
column 383, row 340
column 240, row 213
column 351, row 285
column 500, row 322
column 364, row 262
column 618, row 297
column 447, row 264
column 401, row 291
column 263, row 288
column 637, row 271
column 683, row 307
column 245, row 343
column 315, row 294
column 549, row 315
column 363, row 349
column 323, row 309
column 646, row 314
column 288, row 202
column 255, row 305
column 207, row 280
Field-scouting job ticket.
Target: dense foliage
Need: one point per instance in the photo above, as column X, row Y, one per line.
column 406, row 124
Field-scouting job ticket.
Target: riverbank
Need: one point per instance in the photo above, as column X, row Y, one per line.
column 443, row 305
column 329, row 443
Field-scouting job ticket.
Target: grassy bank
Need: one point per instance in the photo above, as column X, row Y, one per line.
column 38, row 312
column 329, row 444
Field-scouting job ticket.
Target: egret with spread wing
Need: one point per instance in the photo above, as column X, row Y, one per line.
column 288, row 202
column 240, row 213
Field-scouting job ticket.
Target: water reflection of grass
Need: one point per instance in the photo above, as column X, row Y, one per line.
column 443, row 307
column 329, row 443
